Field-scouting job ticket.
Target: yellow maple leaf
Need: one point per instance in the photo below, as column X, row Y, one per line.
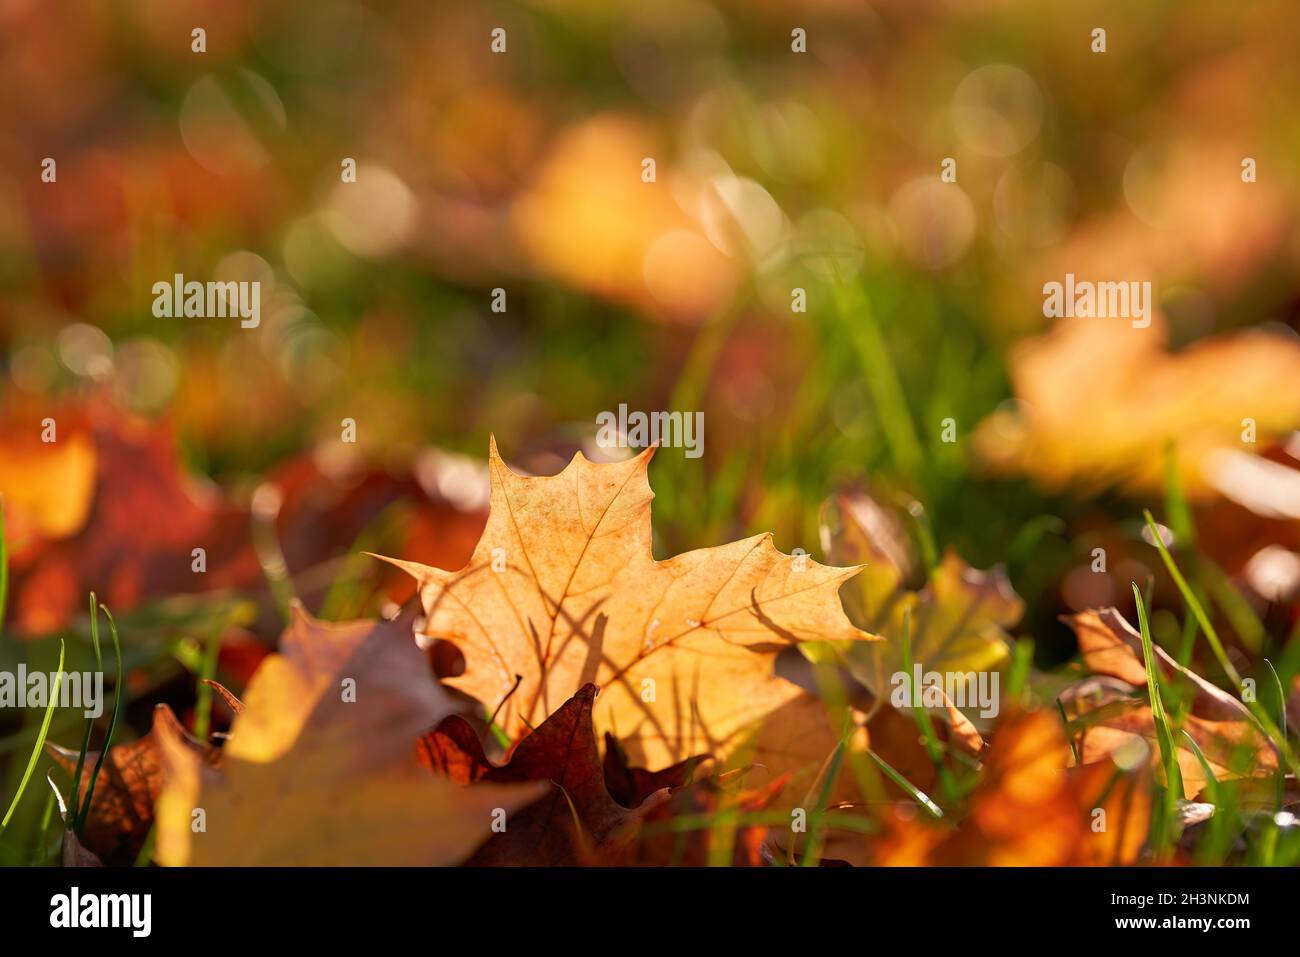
column 320, row 767
column 563, row 589
column 1099, row 400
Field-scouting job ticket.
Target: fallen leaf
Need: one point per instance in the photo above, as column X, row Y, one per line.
column 318, row 768
column 72, row 853
column 329, row 500
column 1030, row 810
column 562, row 590
column 145, row 520
column 47, row 487
column 1116, row 836
column 1116, row 714
column 1098, row 401
column 704, row 822
column 130, row 781
column 956, row 620
column 233, row 703
column 630, row 786
column 75, row 854
column 963, row 730
column 576, row 821
column 583, row 221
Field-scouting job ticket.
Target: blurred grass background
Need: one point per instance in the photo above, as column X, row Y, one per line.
column 522, row 171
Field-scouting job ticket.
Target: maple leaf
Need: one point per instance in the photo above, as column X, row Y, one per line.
column 130, row 782
column 318, row 768
column 1030, row 809
column 599, row 813
column 1114, row 712
column 563, row 590
column 577, row 821
column 671, row 833
column 145, row 517
column 629, row 786
column 956, row 618
column 1097, row 397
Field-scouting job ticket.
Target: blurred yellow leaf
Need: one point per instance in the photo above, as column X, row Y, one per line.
column 1098, row 400
column 589, row 219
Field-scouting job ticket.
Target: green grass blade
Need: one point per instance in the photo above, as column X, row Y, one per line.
column 145, row 857
column 1065, row 722
column 1211, row 848
column 1229, row 599
column 1179, row 512
column 90, row 722
column 916, row 793
column 1164, row 737
column 112, row 718
column 1021, row 660
column 1211, row 782
column 40, row 741
column 831, row 771
column 1193, row 603
column 922, row 716
column 1281, row 698
column 882, row 378
column 1033, row 532
column 1173, row 790
column 207, row 673
column 266, row 546
column 1265, row 722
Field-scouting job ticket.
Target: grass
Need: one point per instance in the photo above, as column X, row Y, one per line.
column 915, row 793
column 1266, row 724
column 821, row 799
column 1164, row 824
column 207, row 673
column 921, row 714
column 113, row 715
column 855, row 415
column 39, row 747
column 90, row 722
